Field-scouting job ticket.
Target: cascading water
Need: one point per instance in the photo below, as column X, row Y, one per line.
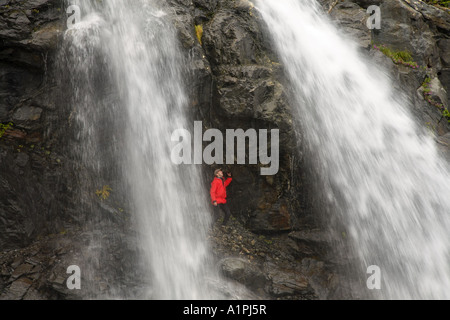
column 382, row 177
column 131, row 46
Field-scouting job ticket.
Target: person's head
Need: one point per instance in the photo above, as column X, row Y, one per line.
column 218, row 173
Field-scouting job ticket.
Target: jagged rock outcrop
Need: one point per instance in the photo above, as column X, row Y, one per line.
column 236, row 83
column 406, row 25
column 35, row 178
column 423, row 30
column 282, row 266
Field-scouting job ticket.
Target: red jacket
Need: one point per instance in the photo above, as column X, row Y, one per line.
column 218, row 190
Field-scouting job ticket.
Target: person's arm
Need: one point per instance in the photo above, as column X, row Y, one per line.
column 228, row 181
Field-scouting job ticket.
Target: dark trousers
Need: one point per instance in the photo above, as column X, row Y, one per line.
column 226, row 210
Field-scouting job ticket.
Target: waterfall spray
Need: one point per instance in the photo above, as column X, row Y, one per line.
column 132, row 46
column 381, row 176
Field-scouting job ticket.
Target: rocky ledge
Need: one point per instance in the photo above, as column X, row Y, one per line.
column 293, row 266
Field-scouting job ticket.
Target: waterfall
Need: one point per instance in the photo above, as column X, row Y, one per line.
column 381, row 176
column 126, row 73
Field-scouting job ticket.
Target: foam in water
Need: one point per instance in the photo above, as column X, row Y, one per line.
column 383, row 179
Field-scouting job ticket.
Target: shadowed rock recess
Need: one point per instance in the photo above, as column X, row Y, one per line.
column 275, row 243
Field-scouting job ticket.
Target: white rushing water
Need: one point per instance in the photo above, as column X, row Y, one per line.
column 135, row 43
column 382, row 178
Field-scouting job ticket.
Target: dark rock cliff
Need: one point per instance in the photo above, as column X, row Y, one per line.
column 237, row 83
column 234, row 80
column 35, row 181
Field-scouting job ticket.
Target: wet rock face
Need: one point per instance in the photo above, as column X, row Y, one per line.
column 235, row 82
column 423, row 30
column 244, row 272
column 350, row 17
column 444, row 145
column 273, row 266
column 43, row 269
column 35, row 177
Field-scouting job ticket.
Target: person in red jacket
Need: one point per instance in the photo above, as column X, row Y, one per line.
column 219, row 195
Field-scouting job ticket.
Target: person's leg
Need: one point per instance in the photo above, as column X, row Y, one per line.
column 216, row 214
column 227, row 214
